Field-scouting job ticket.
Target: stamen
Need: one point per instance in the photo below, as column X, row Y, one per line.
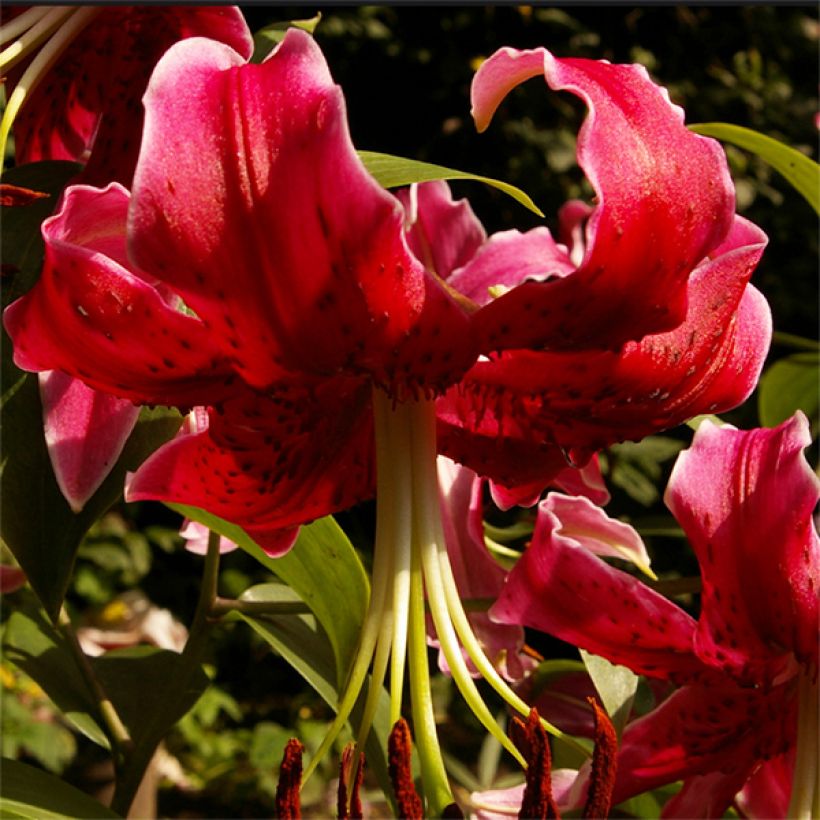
column 349, row 806
column 604, row 765
column 36, row 34
column 399, row 754
column 537, row 802
column 22, row 22
column 287, row 805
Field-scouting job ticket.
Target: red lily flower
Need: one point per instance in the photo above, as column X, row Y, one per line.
column 312, row 332
column 86, row 107
column 748, row 665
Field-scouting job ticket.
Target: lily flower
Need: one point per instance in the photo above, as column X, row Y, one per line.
column 76, row 75
column 325, row 350
column 745, row 711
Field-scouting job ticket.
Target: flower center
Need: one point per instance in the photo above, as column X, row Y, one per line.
column 411, row 563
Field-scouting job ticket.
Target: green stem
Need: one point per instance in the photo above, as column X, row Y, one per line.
column 223, row 606
column 121, row 744
column 156, row 723
column 23, row 22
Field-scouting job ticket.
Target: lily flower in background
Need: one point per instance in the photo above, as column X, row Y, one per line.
column 745, row 712
column 327, row 353
column 76, row 75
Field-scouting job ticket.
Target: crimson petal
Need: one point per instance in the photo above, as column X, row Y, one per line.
column 665, row 201
column 95, row 319
column 583, row 402
column 281, row 242
column 268, row 463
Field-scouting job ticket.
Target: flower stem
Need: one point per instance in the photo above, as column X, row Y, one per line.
column 121, row 743
column 23, row 22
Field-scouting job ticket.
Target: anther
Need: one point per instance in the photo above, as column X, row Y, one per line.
column 399, row 751
column 286, row 804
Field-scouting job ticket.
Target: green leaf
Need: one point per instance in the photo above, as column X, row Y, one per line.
column 31, row 793
column 302, row 642
column 616, row 686
column 801, row 172
column 136, row 679
column 35, row 520
column 267, row 38
column 393, row 172
column 322, row 568
column 790, row 384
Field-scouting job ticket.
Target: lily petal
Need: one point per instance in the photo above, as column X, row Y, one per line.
column 85, row 433
column 443, row 234
column 477, row 575
column 583, row 402
column 712, row 734
column 95, row 319
column 562, row 588
column 270, row 463
column 88, row 106
column 267, row 241
column 665, row 202
column 746, row 501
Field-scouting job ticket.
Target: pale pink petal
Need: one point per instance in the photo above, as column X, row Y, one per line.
column 476, row 573
column 196, row 536
column 746, row 499
column 85, row 433
column 572, row 219
column 560, row 587
column 443, row 234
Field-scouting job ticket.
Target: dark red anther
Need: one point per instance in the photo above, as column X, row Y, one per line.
column 287, row 805
column 399, row 751
column 350, row 807
column 531, row 739
column 604, row 765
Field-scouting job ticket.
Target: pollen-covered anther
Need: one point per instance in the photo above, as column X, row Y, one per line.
column 399, row 752
column 349, row 803
column 604, row 765
column 531, row 738
column 287, row 805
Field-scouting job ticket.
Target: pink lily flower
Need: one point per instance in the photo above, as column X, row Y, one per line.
column 321, row 345
column 748, row 667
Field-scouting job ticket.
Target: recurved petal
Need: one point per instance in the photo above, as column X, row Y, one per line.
column 711, row 735
column 560, row 587
column 583, row 402
column 282, row 242
column 268, row 463
column 95, row 319
column 88, row 106
column 664, row 202
column 746, row 501
column 442, row 233
column 85, row 432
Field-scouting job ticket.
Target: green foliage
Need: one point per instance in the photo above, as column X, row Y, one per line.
column 791, row 384
column 267, row 38
column 801, row 172
column 635, row 467
column 27, row 792
column 616, row 686
column 395, row 172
